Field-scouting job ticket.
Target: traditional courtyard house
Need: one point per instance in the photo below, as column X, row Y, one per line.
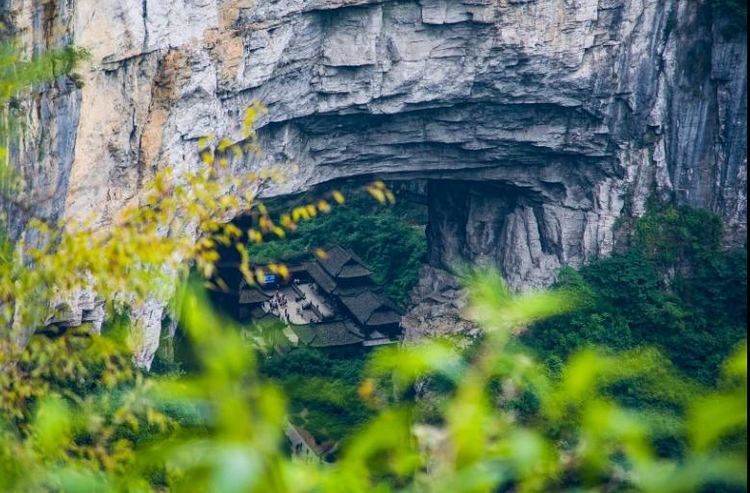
column 250, row 302
column 331, row 303
column 375, row 314
column 340, row 272
column 339, row 337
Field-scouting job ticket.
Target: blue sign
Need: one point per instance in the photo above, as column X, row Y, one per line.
column 270, row 279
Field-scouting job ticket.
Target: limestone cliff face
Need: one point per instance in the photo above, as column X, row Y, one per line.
column 538, row 122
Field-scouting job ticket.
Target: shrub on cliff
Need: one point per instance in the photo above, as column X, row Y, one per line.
column 391, row 244
column 76, row 415
column 675, row 289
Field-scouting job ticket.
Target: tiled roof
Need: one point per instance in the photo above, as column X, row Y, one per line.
column 329, row 334
column 353, row 271
column 384, row 317
column 320, row 277
column 377, row 338
column 334, row 259
column 355, row 329
column 253, row 296
column 379, row 342
column 370, row 308
column 334, row 334
column 353, row 290
column 342, row 262
column 305, row 333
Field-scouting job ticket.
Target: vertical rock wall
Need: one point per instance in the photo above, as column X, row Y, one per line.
column 539, row 122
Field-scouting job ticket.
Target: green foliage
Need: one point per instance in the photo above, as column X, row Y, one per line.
column 389, row 239
column 672, row 235
column 675, row 289
column 322, row 391
column 75, row 415
column 221, row 429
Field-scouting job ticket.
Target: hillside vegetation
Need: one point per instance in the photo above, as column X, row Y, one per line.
column 675, row 288
column 390, row 239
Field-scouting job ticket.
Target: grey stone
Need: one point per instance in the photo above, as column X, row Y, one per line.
column 538, row 122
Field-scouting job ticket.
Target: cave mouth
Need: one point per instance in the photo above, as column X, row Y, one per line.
column 441, row 222
column 389, row 239
column 438, row 222
column 468, row 220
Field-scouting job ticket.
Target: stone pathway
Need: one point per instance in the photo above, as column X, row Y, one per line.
column 298, row 312
column 317, row 299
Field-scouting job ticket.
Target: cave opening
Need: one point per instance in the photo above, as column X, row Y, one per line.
column 444, row 223
column 379, row 234
column 388, row 240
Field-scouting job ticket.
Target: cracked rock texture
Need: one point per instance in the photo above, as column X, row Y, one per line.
column 539, row 123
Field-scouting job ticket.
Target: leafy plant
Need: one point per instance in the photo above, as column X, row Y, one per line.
column 222, row 429
column 675, row 289
column 76, row 415
column 391, row 243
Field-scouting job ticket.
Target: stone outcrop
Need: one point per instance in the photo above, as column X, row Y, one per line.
column 438, row 304
column 539, row 123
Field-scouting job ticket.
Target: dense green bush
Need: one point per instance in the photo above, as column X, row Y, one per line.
column 390, row 239
column 322, row 391
column 221, row 429
column 675, row 289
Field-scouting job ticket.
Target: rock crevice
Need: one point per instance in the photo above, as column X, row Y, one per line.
column 546, row 119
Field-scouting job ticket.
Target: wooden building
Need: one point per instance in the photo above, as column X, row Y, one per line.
column 362, row 317
column 250, row 301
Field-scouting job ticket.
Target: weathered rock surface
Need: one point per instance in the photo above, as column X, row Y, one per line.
column 538, row 122
column 439, row 301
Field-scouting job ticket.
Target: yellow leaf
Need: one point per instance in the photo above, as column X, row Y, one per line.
column 377, row 194
column 366, row 389
column 207, row 157
column 338, row 197
column 224, row 144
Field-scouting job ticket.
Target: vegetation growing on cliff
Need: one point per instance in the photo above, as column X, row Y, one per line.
column 18, row 75
column 390, row 239
column 322, row 391
column 76, row 415
column 675, row 289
